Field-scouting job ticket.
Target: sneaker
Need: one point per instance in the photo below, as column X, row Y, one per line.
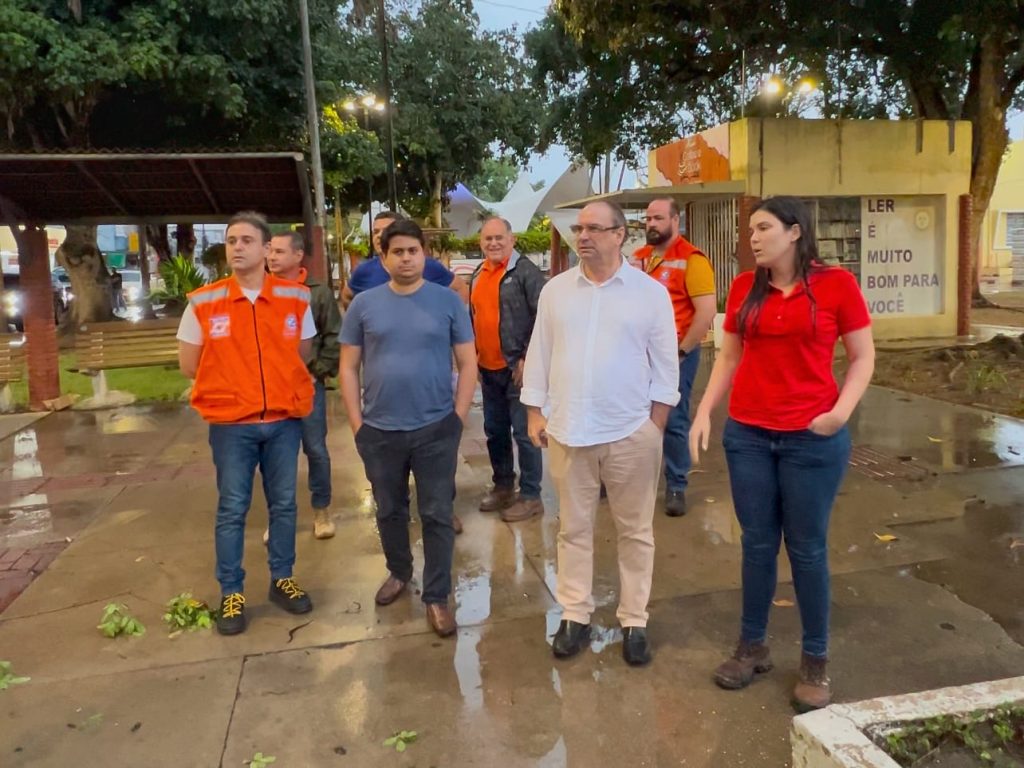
column 286, row 594
column 231, row 617
column 747, row 660
column 814, row 688
column 323, row 526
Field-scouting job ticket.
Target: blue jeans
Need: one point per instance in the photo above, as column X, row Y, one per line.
column 784, row 484
column 431, row 454
column 676, row 446
column 314, row 445
column 237, row 450
column 505, row 420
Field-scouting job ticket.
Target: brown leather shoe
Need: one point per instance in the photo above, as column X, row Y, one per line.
column 523, row 509
column 389, row 591
column 498, row 498
column 456, row 524
column 813, row 689
column 440, row 619
column 739, row 670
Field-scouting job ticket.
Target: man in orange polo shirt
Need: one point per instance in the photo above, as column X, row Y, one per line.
column 687, row 274
column 244, row 340
column 503, row 295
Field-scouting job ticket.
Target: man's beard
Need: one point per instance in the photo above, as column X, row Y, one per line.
column 654, row 237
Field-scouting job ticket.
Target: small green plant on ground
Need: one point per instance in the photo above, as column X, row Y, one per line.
column 400, row 740
column 8, row 678
column 259, row 760
column 983, row 377
column 994, row 737
column 117, row 621
column 180, row 276
column 185, row 612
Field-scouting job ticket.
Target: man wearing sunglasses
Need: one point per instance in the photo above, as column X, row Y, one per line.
column 603, row 363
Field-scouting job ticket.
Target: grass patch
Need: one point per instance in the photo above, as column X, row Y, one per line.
column 149, row 384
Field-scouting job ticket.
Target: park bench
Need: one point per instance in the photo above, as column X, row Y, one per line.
column 100, row 347
column 12, row 366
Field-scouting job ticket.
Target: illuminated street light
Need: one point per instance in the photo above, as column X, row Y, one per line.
column 807, row 86
column 366, row 103
column 773, row 86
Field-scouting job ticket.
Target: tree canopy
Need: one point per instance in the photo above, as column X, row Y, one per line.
column 458, row 92
column 622, row 76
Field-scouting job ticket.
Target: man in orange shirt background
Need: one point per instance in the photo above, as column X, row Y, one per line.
column 503, row 295
column 677, row 264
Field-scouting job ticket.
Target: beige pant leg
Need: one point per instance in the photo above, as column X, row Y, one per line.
column 576, row 475
column 630, row 473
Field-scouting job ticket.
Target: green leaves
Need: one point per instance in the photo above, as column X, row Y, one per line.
column 8, row 678
column 180, row 277
column 185, row 612
column 116, row 621
column 259, row 760
column 401, row 740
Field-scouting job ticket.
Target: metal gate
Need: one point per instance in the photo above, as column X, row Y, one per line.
column 1015, row 239
column 713, row 229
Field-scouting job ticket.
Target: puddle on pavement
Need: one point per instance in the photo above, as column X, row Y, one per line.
column 988, row 565
column 26, row 462
column 472, row 599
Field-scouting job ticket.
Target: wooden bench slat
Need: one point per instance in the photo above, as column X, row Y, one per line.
column 102, row 346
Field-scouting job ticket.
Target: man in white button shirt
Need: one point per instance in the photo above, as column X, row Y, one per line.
column 603, row 363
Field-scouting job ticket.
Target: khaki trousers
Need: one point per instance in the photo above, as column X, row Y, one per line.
column 629, row 469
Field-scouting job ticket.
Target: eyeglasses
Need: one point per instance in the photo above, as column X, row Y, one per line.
column 592, row 229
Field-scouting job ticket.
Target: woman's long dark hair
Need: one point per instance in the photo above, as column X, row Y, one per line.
column 789, row 210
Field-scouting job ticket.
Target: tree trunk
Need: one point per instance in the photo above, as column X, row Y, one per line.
column 436, row 190
column 186, row 237
column 90, row 281
column 986, row 109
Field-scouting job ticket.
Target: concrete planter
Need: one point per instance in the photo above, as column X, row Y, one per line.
column 834, row 737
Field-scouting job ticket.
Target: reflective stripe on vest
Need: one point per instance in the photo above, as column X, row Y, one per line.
column 203, row 297
column 291, row 292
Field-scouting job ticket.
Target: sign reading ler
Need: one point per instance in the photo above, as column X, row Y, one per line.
column 900, row 270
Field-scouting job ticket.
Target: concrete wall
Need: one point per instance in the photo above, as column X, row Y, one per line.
column 1007, row 197
column 858, row 158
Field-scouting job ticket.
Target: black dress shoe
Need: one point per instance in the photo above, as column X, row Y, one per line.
column 675, row 503
column 636, row 649
column 570, row 639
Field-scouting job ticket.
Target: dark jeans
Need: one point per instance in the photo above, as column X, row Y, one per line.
column 676, row 445
column 314, row 445
column 237, row 450
column 784, row 483
column 431, row 454
column 505, row 420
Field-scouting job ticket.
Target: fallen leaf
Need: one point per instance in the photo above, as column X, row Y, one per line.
column 140, row 558
column 886, row 537
column 710, row 500
column 1016, row 543
column 934, row 439
column 783, row 603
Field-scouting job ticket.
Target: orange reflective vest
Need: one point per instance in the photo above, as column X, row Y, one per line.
column 670, row 271
column 250, row 368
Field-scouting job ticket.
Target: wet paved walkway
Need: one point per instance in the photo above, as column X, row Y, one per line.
column 133, row 491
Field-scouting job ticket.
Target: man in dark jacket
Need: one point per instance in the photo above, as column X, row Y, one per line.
column 503, row 296
column 285, row 261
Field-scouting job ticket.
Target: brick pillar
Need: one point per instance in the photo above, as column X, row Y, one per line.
column 965, row 268
column 557, row 259
column 744, row 255
column 40, row 332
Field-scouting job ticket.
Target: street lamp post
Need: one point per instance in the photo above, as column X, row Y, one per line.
column 366, row 103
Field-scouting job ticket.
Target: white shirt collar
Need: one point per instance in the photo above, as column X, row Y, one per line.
column 619, row 275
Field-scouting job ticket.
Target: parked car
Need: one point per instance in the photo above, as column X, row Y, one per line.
column 14, row 304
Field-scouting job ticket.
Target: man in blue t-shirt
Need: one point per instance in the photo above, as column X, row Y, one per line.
column 372, row 273
column 402, row 335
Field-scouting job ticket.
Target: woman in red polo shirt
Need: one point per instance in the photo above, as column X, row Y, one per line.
column 786, row 440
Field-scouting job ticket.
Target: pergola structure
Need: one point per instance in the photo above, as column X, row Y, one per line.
column 135, row 188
